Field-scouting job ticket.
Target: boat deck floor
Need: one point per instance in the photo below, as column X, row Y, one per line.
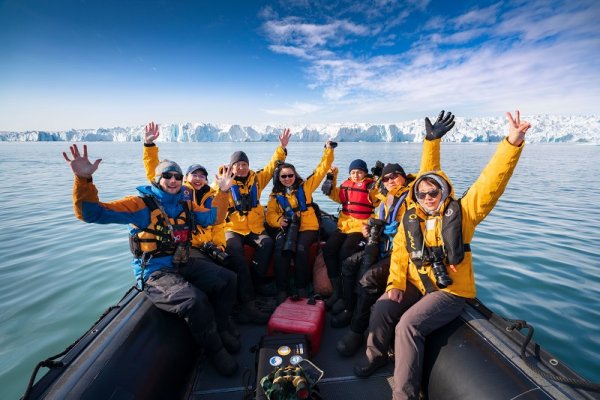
column 338, row 382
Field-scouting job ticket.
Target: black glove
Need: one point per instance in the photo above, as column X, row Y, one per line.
column 377, row 169
column 327, row 184
column 441, row 126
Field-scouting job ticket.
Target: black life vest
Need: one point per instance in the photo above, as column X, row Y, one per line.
column 355, row 199
column 243, row 203
column 453, row 248
column 161, row 237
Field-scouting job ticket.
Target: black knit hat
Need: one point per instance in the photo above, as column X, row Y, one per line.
column 237, row 157
column 389, row 168
column 358, row 164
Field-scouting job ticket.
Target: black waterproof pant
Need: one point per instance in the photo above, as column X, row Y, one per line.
column 302, row 269
column 202, row 293
column 338, row 247
column 370, row 286
column 248, row 276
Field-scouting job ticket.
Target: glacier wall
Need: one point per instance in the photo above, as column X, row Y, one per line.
column 545, row 129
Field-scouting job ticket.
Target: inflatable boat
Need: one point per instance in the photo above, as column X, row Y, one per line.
column 136, row 351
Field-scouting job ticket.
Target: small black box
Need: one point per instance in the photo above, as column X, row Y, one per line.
column 279, row 351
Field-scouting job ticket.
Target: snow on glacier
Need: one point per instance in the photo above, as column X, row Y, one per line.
column 545, row 129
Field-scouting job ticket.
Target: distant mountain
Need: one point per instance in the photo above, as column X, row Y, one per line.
column 546, row 129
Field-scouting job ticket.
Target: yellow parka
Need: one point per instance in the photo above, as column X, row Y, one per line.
column 254, row 220
column 476, row 204
column 308, row 219
column 213, row 233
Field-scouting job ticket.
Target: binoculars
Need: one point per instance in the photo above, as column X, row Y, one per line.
column 214, row 252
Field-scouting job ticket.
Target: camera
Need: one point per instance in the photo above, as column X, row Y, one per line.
column 441, row 275
column 332, row 144
column 436, row 258
column 214, row 252
column 377, row 169
column 375, row 229
column 372, row 247
column 327, row 184
column 291, row 234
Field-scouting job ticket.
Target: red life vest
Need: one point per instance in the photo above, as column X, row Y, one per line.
column 355, row 200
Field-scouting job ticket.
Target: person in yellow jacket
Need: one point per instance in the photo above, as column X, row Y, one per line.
column 245, row 223
column 365, row 274
column 358, row 198
column 208, row 243
column 431, row 273
column 291, row 210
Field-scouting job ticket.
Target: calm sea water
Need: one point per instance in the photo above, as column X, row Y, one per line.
column 536, row 255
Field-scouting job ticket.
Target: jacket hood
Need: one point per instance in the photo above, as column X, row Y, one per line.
column 442, row 179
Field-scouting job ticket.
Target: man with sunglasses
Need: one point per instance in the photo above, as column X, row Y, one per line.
column 431, row 272
column 161, row 223
column 196, row 187
column 364, row 278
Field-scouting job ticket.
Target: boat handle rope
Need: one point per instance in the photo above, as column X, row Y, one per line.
column 519, row 325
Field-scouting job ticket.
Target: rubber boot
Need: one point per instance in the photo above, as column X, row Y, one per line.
column 223, row 362
column 249, row 314
column 338, row 307
column 219, row 357
column 342, row 319
column 230, row 342
column 232, row 328
column 335, row 295
column 350, row 343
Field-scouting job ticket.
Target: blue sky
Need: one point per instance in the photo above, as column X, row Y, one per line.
column 90, row 63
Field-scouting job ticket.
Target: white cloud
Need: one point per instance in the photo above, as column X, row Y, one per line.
column 294, row 110
column 542, row 56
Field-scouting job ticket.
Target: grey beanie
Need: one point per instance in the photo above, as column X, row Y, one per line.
column 237, row 157
column 166, row 166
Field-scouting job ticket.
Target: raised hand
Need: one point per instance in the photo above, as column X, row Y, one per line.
column 152, row 132
column 442, row 125
column 284, row 138
column 81, row 165
column 225, row 178
column 518, row 128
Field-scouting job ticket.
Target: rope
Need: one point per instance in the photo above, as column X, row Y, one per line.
column 519, row 325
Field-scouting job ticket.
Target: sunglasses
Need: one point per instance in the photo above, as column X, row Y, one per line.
column 199, row 176
column 432, row 193
column 169, row 175
column 391, row 176
column 290, row 176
